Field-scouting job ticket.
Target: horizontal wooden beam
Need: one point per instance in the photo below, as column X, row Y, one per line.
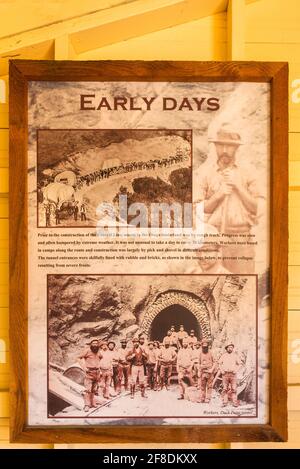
column 26, row 15
column 151, row 16
column 131, row 19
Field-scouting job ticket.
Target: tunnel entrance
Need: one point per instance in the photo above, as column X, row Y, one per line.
column 173, row 315
column 176, row 307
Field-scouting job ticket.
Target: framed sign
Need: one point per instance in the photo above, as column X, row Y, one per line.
column 148, row 251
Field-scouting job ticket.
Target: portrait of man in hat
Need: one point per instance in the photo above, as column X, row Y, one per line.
column 230, row 192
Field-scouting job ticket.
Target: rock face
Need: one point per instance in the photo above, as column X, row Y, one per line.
column 82, row 307
column 85, row 151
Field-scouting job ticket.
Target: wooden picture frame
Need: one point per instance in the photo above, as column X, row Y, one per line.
column 24, row 71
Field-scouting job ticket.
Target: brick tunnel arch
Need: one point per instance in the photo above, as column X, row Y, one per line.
column 189, row 301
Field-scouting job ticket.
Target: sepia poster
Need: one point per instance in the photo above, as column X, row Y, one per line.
column 148, row 216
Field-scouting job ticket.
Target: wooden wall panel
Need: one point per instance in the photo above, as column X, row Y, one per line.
column 210, row 35
column 3, row 180
column 3, row 158
column 3, row 212
column 4, row 139
column 294, row 146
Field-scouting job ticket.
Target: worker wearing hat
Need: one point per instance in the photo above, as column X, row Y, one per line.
column 106, row 368
column 168, row 337
column 192, row 338
column 174, row 337
column 230, row 193
column 207, row 368
column 166, row 359
column 116, row 365
column 143, row 342
column 229, row 365
column 195, row 361
column 124, row 365
column 152, row 366
column 184, row 367
column 137, row 357
column 157, row 353
column 182, row 334
column 144, row 346
column 90, row 361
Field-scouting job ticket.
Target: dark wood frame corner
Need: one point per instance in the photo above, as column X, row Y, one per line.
column 23, row 71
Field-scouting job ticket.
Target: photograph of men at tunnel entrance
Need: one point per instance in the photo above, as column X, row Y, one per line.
column 160, row 347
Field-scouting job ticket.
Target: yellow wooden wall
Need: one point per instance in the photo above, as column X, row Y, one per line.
column 161, row 30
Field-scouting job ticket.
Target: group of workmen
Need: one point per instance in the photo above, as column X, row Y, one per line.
column 152, row 364
column 152, row 164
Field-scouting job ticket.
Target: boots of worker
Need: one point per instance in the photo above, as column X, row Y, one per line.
column 143, row 391
column 132, row 389
column 93, row 400
column 87, row 401
column 118, row 389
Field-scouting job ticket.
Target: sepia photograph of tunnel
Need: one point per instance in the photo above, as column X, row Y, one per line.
column 173, row 315
column 151, row 331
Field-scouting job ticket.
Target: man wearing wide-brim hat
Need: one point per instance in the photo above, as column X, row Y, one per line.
column 124, row 367
column 115, row 355
column 152, row 366
column 184, row 367
column 137, row 357
column 230, row 194
column 90, row 361
column 207, row 366
column 174, row 336
column 229, row 365
column 181, row 334
column 106, row 368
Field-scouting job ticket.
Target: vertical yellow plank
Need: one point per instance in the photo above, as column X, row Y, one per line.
column 3, row 140
column 3, row 210
column 4, row 404
column 236, row 12
column 3, row 180
column 3, row 158
column 3, row 229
